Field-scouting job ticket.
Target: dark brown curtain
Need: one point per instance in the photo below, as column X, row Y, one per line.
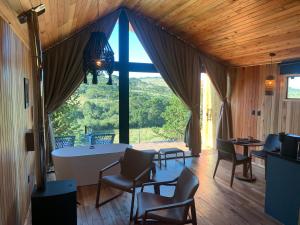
column 218, row 74
column 63, row 68
column 179, row 65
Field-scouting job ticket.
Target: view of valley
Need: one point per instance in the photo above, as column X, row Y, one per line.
column 156, row 114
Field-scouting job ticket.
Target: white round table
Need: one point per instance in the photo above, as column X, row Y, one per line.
column 83, row 163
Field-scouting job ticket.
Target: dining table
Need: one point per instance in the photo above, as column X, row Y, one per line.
column 246, row 143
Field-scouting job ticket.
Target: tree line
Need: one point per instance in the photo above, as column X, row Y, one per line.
column 96, row 107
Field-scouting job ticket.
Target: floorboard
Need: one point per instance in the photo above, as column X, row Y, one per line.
column 216, row 202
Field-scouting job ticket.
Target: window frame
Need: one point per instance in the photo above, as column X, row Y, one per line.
column 124, row 66
column 287, row 80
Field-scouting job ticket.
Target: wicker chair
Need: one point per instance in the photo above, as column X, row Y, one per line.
column 102, row 139
column 64, row 141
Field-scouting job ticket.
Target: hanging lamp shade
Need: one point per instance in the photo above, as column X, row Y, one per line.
column 98, row 57
column 270, row 80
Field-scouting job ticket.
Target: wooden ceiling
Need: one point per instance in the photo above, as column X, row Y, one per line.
column 238, row 32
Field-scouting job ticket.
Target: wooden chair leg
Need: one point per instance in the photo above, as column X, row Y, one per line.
column 250, row 167
column 132, row 204
column 144, row 220
column 156, row 189
column 217, row 164
column 98, row 191
column 232, row 174
column 136, row 218
column 193, row 214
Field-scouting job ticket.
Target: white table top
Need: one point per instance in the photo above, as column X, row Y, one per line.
column 86, row 150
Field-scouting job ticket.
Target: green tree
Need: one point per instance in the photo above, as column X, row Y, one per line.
column 65, row 118
column 175, row 116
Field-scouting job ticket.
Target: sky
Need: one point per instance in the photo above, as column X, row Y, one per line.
column 294, row 83
column 137, row 52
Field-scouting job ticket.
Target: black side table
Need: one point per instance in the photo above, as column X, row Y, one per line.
column 167, row 151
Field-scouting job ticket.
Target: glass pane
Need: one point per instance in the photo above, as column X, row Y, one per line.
column 137, row 52
column 156, row 114
column 91, row 110
column 293, row 89
column 114, row 41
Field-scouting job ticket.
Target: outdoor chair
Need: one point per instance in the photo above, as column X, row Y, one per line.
column 136, row 167
column 171, row 210
column 227, row 152
column 102, row 139
column 64, row 141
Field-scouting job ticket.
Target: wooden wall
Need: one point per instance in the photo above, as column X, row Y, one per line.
column 277, row 113
column 16, row 165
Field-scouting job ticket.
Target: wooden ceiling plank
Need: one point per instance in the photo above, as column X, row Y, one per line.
column 266, row 41
column 268, row 28
column 239, row 20
column 241, row 32
column 190, row 13
column 264, row 19
column 10, row 16
column 247, row 13
column 26, row 5
column 272, row 48
column 264, row 59
column 221, row 14
column 35, row 3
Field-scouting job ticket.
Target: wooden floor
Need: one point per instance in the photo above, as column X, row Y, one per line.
column 216, row 202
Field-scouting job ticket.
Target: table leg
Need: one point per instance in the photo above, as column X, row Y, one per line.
column 159, row 159
column 245, row 168
column 165, row 160
column 245, row 176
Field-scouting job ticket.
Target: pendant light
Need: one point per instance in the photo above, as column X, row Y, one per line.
column 270, row 80
column 98, row 57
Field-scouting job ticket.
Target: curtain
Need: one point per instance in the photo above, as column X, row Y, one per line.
column 63, row 68
column 179, row 65
column 218, row 75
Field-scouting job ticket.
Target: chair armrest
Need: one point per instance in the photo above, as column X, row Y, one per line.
column 138, row 177
column 170, row 206
column 109, row 166
column 169, row 182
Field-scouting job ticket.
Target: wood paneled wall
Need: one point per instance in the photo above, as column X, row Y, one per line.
column 248, row 94
column 16, row 165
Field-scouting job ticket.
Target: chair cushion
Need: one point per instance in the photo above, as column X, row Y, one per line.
column 119, row 182
column 148, row 200
column 259, row 154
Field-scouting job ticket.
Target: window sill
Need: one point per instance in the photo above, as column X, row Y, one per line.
column 291, row 99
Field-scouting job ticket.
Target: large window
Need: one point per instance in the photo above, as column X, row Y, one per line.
column 293, row 87
column 91, row 109
column 139, row 107
column 155, row 113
